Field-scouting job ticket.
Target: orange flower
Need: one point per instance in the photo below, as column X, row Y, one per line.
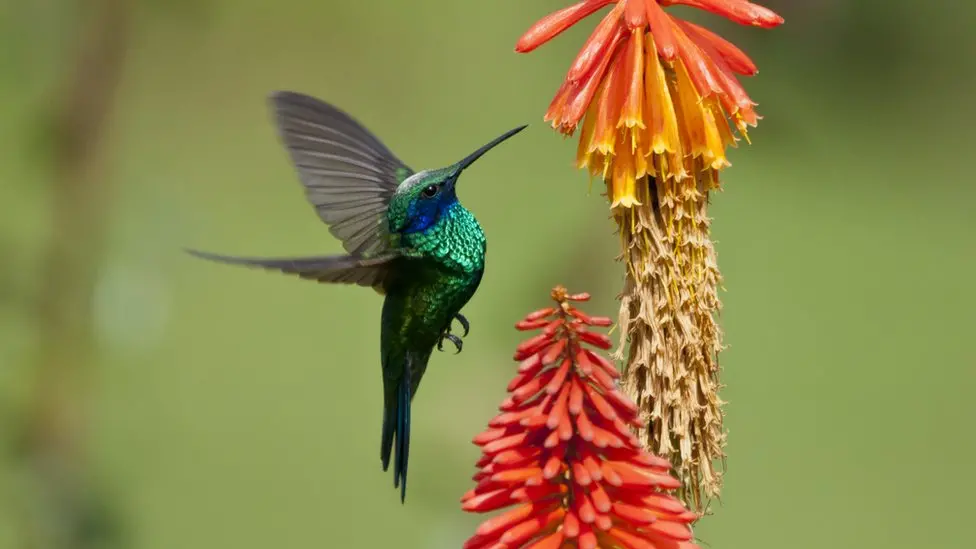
column 656, row 92
column 562, row 454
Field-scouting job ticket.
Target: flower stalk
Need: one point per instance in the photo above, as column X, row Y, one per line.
column 561, row 455
column 657, row 103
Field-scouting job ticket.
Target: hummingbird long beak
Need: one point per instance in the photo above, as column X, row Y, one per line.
column 468, row 160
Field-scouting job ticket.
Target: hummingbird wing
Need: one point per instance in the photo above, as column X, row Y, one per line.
column 340, row 269
column 348, row 173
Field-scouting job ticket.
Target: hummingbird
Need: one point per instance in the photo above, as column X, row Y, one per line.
column 406, row 235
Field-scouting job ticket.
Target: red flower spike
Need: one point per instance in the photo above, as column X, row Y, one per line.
column 561, row 456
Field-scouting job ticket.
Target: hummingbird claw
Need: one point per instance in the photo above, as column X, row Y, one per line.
column 464, row 323
column 453, row 339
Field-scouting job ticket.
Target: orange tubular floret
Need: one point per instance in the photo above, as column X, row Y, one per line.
column 663, row 123
column 555, row 23
column 736, row 58
column 720, row 68
column 739, row 11
column 661, row 30
column 631, row 115
column 579, row 104
column 695, row 63
column 595, row 46
column 608, row 110
column 636, row 14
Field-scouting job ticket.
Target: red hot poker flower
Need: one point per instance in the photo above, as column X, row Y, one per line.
column 561, row 453
column 658, row 102
column 655, row 91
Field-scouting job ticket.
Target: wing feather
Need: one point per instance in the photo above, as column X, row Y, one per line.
column 340, row 269
column 349, row 175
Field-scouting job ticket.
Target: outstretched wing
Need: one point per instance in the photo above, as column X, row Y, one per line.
column 342, row 269
column 348, row 174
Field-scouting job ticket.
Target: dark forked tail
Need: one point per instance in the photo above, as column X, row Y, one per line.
column 396, row 425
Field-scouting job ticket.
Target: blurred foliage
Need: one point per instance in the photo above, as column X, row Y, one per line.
column 242, row 409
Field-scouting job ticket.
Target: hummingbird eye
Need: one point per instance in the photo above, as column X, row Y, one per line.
column 430, row 191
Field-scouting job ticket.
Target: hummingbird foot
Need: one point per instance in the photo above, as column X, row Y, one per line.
column 453, row 339
column 464, row 323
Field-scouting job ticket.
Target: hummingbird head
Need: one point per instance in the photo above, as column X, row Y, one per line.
column 423, row 197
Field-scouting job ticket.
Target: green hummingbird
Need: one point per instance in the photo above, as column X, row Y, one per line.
column 407, row 237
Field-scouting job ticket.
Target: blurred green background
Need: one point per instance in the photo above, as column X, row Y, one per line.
column 201, row 406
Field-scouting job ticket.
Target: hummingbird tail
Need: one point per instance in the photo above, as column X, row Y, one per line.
column 396, row 425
